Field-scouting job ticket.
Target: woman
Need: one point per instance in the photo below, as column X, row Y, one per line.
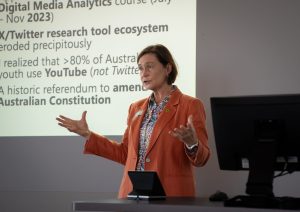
column 165, row 132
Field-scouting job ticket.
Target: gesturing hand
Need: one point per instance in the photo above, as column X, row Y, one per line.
column 79, row 127
column 186, row 134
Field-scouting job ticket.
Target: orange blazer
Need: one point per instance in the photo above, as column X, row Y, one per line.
column 165, row 154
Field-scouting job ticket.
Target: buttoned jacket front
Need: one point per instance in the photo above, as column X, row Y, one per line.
column 165, row 154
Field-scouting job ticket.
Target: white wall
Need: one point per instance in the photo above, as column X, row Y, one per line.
column 243, row 47
column 246, row 47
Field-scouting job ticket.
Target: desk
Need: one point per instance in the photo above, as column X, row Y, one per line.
column 168, row 205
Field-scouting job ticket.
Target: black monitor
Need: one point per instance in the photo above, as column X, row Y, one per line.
column 258, row 133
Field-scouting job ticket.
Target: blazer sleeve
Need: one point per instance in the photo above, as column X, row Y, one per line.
column 109, row 149
column 196, row 109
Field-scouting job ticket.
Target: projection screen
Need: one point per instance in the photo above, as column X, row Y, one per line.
column 65, row 57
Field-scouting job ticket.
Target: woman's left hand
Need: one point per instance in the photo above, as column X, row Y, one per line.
column 187, row 134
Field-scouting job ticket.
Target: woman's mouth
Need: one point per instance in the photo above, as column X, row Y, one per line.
column 146, row 82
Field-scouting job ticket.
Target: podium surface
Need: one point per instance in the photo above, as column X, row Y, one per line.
column 174, row 204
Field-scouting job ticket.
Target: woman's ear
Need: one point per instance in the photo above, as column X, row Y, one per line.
column 169, row 69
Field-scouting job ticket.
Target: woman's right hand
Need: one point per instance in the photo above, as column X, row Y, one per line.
column 79, row 127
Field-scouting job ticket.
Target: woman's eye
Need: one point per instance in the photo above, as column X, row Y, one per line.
column 149, row 66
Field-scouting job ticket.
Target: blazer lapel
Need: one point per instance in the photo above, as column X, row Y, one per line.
column 165, row 116
column 136, row 125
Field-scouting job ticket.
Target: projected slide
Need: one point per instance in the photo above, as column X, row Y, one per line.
column 65, row 57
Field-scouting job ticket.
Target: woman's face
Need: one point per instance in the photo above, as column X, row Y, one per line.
column 153, row 74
